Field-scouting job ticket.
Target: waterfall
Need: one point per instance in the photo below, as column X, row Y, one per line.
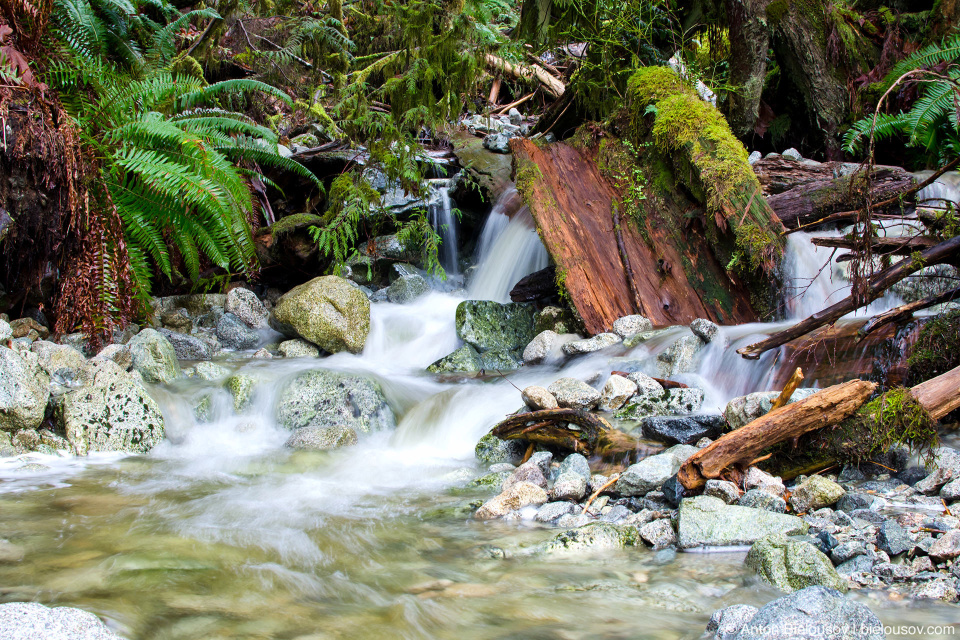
column 442, row 220
column 509, row 249
column 944, row 191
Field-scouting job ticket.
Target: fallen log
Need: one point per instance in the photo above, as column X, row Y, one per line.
column 743, row 446
column 944, row 252
column 880, row 246
column 595, row 436
column 906, row 311
column 551, row 85
column 940, row 395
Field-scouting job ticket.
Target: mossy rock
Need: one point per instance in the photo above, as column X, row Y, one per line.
column 791, row 565
column 490, row 325
column 466, row 359
column 328, row 311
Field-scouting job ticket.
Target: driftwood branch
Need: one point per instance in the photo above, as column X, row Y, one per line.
column 906, row 311
column 880, row 282
column 594, row 435
column 743, row 446
column 525, row 72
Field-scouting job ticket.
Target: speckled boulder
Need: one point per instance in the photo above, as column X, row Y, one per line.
column 23, row 398
column 154, row 357
column 791, row 565
column 245, row 305
column 34, row 621
column 490, row 325
column 325, row 398
column 327, row 311
column 322, row 438
column 815, row 493
column 574, row 394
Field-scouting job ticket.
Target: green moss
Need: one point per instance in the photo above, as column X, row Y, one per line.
column 935, row 351
column 893, row 419
column 776, row 10
column 616, row 160
column 294, row 222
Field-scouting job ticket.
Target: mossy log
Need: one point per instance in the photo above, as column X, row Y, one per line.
column 590, row 436
column 738, row 449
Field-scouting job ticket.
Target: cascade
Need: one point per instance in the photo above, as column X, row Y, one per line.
column 440, row 210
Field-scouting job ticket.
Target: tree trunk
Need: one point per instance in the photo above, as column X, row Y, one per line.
column 202, row 49
column 749, row 43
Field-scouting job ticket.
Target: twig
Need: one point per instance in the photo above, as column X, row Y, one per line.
column 788, row 389
column 609, row 483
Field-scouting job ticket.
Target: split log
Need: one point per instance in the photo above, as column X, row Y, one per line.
column 741, row 447
column 538, row 285
column 940, row 395
column 595, row 436
column 946, row 251
column 880, row 246
column 906, row 311
column 551, row 85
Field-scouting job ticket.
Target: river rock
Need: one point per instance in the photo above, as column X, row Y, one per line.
column 894, row 539
column 650, row 473
column 499, row 360
column 111, row 412
column 324, row 398
column 757, row 478
column 576, row 464
column 631, row 325
column 705, row 521
column 59, row 361
column 492, row 450
column 814, row 613
column 680, row 357
column 6, row 445
column 646, row 386
column 209, row 371
column 745, row 409
column 540, row 347
column 815, row 493
column 947, row 547
column 951, row 491
column 669, row 402
column 118, row 353
column 852, row 501
column 569, row 486
column 187, row 347
column 538, row 398
column 23, row 399
column 245, row 305
column 616, row 392
column 704, row 329
column 791, row 565
column 242, row 388
column 322, row 438
column 177, row 320
column 554, row 319
column 466, row 359
column 726, row 623
column 659, row 534
column 490, row 325
column 28, row 327
column 530, row 472
column 298, row 349
column 34, row 621
column 596, row 536
column 723, row 489
column 6, row 333
column 407, row 288
column 553, row 511
column 516, row 497
column 759, row 499
column 154, row 357
column 682, row 430
column 234, row 334
column 574, row 394
column 589, row 345
column 328, row 311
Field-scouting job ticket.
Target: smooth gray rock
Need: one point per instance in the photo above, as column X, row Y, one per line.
column 759, row 499
column 111, row 412
column 616, row 391
column 538, row 398
column 814, row 613
column 723, row 489
column 707, row 521
column 154, row 357
column 234, row 334
column 187, row 347
column 527, row 472
column 209, row 371
column 119, row 353
column 759, row 479
column 553, row 511
column 497, row 142
column 23, row 398
column 576, row 464
column 323, row 398
column 726, row 623
column 704, row 329
column 894, row 539
column 574, row 394
column 650, row 473
column 631, row 325
column 34, row 621
column 852, row 501
column 682, row 430
column 791, row 565
column 298, row 348
column 569, row 486
column 245, row 305
column 322, row 438
column 659, row 534
column 590, row 345
column 646, row 386
column 59, row 361
column 5, row 331
column 407, row 288
column 540, row 347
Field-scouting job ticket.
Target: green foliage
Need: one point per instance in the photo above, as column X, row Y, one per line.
column 893, row 419
column 935, row 351
column 174, row 164
column 932, row 123
column 353, row 199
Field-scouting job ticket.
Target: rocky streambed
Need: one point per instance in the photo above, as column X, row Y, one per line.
column 318, row 464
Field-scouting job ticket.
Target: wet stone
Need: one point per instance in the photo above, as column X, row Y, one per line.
column 815, row 492
column 726, row 623
column 723, row 489
column 540, row 347
column 574, row 394
column 791, row 565
column 590, row 345
column 322, row 438
column 659, row 534
column 759, row 499
column 553, row 511
column 682, row 430
column 894, row 539
column 852, row 501
column 704, row 329
column 491, row 450
column 298, row 348
column 631, row 325
column 616, row 392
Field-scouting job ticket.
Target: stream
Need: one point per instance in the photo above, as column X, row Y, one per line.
column 222, row 532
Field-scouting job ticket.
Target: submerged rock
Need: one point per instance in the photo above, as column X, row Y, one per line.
column 791, row 565
column 705, row 521
column 492, row 450
column 111, row 412
column 596, row 536
column 490, row 325
column 34, row 621
column 154, row 357
column 322, row 438
column 466, row 359
column 23, row 399
column 323, row 398
column 328, row 311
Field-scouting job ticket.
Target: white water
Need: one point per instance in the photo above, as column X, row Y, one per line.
column 945, row 191
column 509, row 249
column 442, row 220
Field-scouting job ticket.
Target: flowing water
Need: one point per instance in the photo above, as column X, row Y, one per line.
column 221, row 532
column 440, row 210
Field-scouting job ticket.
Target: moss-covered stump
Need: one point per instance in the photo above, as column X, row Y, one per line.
column 691, row 149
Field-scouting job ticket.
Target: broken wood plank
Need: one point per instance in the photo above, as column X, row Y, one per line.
column 739, row 448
